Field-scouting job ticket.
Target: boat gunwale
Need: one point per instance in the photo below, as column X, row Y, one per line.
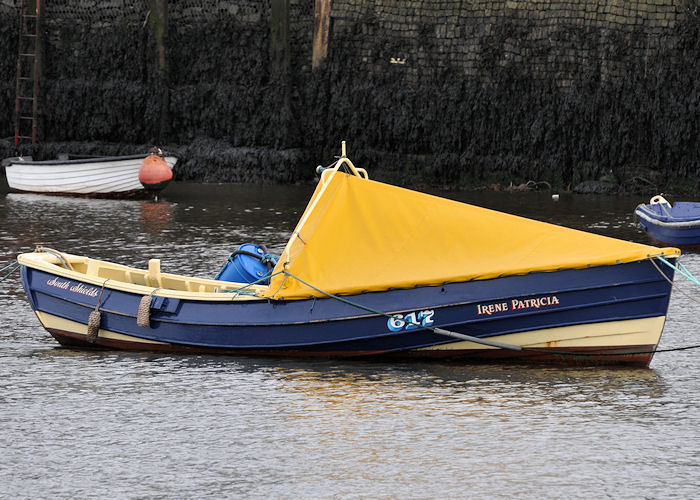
column 42, row 262
column 663, row 220
column 18, row 161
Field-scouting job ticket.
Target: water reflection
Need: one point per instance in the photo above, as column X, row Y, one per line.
column 357, row 381
column 156, row 216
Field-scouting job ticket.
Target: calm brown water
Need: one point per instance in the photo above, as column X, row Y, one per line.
column 132, row 425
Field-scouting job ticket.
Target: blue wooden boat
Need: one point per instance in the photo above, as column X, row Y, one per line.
column 374, row 270
column 677, row 224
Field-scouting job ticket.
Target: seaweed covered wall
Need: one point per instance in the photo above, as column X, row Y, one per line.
column 560, row 91
column 8, row 67
column 448, row 92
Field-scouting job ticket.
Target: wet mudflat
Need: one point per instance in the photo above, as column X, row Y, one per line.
column 139, row 425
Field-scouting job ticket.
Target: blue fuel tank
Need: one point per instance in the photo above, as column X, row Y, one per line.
column 249, row 264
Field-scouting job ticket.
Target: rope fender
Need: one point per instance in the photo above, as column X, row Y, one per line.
column 93, row 326
column 95, row 318
column 143, row 316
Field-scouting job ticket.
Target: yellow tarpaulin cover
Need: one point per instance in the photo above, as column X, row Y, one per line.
column 361, row 235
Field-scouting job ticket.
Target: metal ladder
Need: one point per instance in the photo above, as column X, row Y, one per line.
column 27, row 89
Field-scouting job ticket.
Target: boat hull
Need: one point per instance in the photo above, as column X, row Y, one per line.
column 631, row 342
column 682, row 233
column 108, row 176
column 598, row 315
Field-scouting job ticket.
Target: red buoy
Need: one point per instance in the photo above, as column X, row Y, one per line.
column 154, row 173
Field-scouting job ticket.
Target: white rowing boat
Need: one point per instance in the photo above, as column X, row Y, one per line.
column 89, row 176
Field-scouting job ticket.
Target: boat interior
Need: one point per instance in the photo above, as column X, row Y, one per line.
column 153, row 277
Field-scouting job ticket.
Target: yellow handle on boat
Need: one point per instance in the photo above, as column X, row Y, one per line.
column 343, row 160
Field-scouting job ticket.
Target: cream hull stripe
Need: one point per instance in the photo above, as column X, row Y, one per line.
column 51, row 322
column 642, row 332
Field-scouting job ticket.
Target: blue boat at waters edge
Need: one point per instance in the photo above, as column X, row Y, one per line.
column 373, row 270
column 676, row 225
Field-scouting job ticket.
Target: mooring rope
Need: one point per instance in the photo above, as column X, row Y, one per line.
column 14, row 267
column 681, row 269
column 683, row 272
column 11, row 264
column 56, row 254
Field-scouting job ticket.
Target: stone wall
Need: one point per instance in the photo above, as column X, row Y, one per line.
column 442, row 92
column 545, row 38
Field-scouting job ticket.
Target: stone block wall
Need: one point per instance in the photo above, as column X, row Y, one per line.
column 546, row 38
